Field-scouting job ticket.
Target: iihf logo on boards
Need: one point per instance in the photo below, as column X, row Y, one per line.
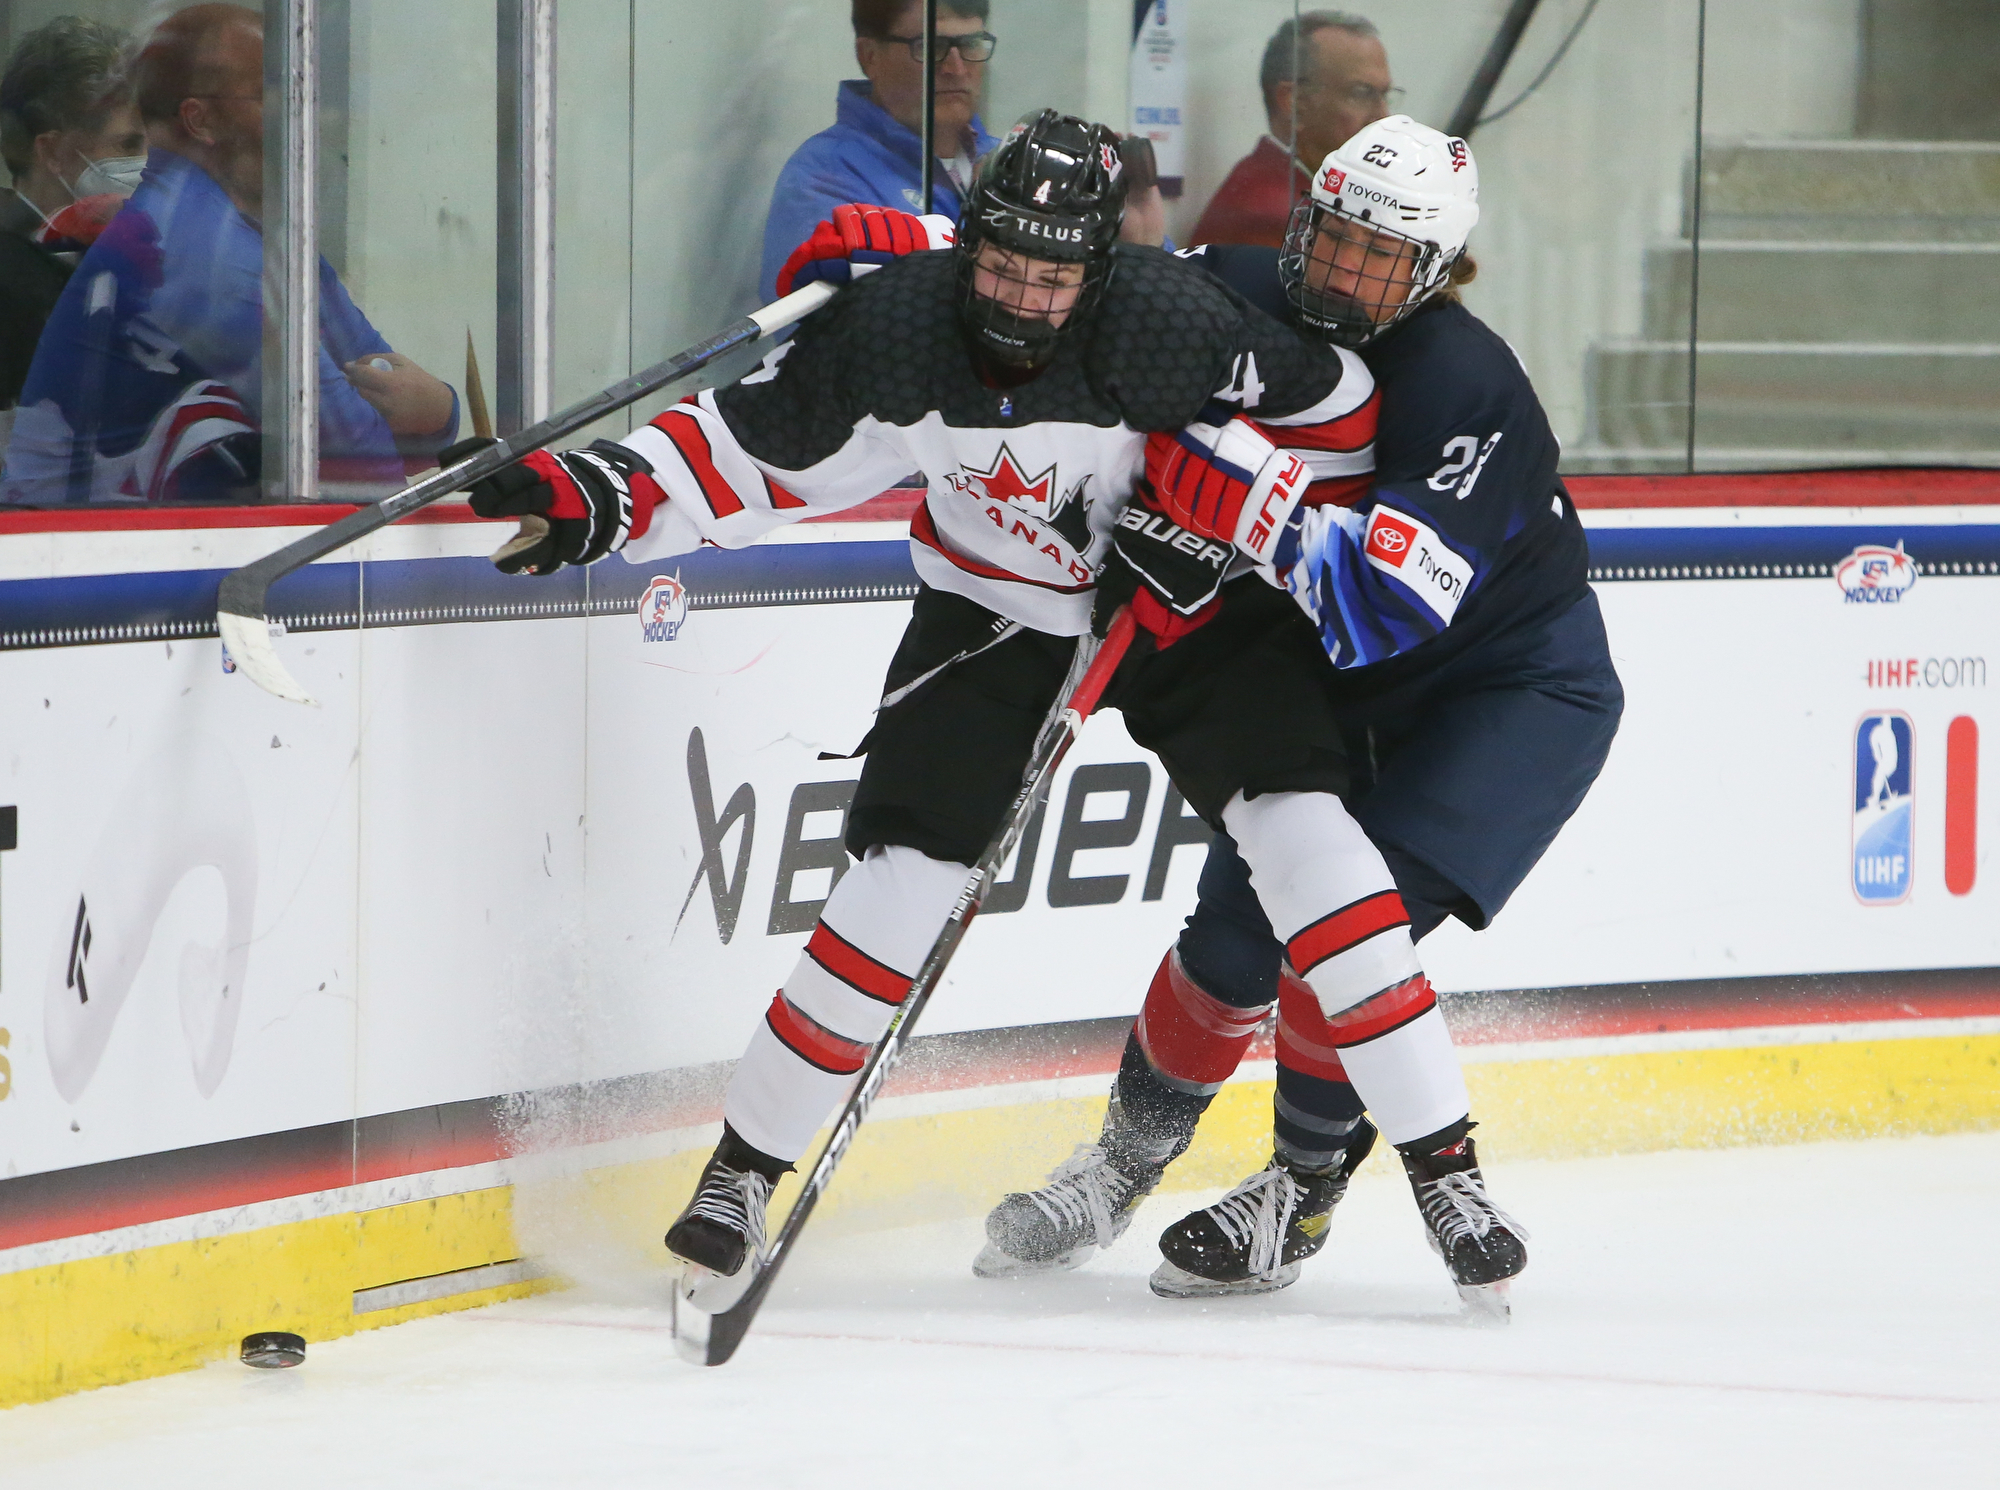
column 1883, row 746
column 663, row 609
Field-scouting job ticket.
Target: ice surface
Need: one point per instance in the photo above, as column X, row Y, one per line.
column 1819, row 1316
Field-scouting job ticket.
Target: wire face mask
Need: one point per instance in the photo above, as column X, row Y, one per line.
column 1017, row 306
column 1351, row 281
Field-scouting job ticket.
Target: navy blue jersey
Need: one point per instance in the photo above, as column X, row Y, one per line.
column 1467, row 537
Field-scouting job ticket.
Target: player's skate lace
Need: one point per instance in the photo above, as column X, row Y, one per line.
column 1258, row 1213
column 1084, row 1187
column 737, row 1199
column 1457, row 1208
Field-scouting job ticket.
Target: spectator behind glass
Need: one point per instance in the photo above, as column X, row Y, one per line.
column 148, row 381
column 1343, row 84
column 74, row 148
column 873, row 154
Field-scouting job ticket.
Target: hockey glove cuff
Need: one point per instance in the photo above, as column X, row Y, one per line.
column 574, row 508
column 1227, row 481
column 857, row 239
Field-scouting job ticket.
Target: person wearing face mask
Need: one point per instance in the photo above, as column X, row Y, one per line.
column 148, row 381
column 74, row 148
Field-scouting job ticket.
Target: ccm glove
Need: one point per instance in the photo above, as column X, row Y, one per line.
column 857, row 239
column 574, row 508
column 1171, row 577
column 1227, row 481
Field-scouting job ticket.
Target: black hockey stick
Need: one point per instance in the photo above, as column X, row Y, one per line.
column 240, row 603
column 711, row 1339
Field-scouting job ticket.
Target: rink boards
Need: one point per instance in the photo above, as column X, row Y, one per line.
column 328, row 983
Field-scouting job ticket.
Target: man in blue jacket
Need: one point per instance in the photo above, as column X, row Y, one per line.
column 874, row 151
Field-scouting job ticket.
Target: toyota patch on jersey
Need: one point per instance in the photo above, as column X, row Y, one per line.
column 1411, row 552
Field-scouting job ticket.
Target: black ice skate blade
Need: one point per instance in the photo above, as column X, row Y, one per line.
column 993, row 1263
column 1171, row 1282
column 1487, row 1306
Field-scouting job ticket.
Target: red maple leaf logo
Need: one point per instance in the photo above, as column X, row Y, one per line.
column 1005, row 483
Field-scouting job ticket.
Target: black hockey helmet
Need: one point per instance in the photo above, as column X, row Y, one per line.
column 1053, row 191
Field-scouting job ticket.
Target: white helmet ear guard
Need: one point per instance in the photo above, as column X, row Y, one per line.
column 1395, row 181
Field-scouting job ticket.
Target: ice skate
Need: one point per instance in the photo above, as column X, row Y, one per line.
column 1482, row 1246
column 1087, row 1204
column 1257, row 1237
column 720, row 1236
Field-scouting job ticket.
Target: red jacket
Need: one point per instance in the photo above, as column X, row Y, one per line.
column 1254, row 202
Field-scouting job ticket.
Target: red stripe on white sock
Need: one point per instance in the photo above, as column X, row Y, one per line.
column 855, row 967
column 1345, row 929
column 813, row 1042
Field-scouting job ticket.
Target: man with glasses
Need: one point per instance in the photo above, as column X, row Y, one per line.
column 1324, row 76
column 874, row 151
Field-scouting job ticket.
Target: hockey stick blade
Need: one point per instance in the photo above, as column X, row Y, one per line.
column 242, row 601
column 713, row 1339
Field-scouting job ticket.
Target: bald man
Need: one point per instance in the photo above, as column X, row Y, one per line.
column 148, row 383
column 1325, row 76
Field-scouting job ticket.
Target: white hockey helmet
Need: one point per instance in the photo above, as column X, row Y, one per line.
column 1404, row 197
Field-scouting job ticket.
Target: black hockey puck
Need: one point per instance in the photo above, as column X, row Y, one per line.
column 273, row 1350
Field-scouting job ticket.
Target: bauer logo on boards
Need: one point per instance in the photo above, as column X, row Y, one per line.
column 1874, row 575
column 663, row 609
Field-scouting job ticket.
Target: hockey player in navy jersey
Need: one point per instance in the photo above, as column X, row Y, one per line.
column 1478, row 700
column 1022, row 373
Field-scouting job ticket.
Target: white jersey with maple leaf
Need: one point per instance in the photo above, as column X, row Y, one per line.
column 1024, row 483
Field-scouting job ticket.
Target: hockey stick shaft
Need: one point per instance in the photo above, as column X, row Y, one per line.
column 727, row 1329
column 242, row 600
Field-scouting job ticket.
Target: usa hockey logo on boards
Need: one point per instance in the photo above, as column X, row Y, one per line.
column 663, row 609
column 1884, row 744
column 1874, row 575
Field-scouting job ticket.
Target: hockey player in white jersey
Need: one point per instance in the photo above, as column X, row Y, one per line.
column 1021, row 373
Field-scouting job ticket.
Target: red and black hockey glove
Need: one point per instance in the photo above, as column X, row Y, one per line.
column 1172, row 577
column 574, row 508
column 858, row 238
column 1227, row 481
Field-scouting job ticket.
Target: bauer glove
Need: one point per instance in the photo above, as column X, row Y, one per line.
column 857, row 239
column 1227, row 481
column 1171, row 577
column 574, row 508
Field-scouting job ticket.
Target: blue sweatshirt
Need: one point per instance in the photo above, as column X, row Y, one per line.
column 865, row 157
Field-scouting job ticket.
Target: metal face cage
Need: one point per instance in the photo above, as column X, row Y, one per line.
column 1350, row 279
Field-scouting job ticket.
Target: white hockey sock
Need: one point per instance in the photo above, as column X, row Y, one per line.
column 854, row 973
column 1409, row 1079
column 1332, row 901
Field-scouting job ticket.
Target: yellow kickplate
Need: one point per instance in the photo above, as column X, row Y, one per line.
column 100, row 1320
column 75, row 1325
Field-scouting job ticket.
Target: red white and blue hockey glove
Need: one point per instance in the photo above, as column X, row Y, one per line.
column 1172, row 577
column 574, row 508
column 1229, row 482
column 859, row 238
